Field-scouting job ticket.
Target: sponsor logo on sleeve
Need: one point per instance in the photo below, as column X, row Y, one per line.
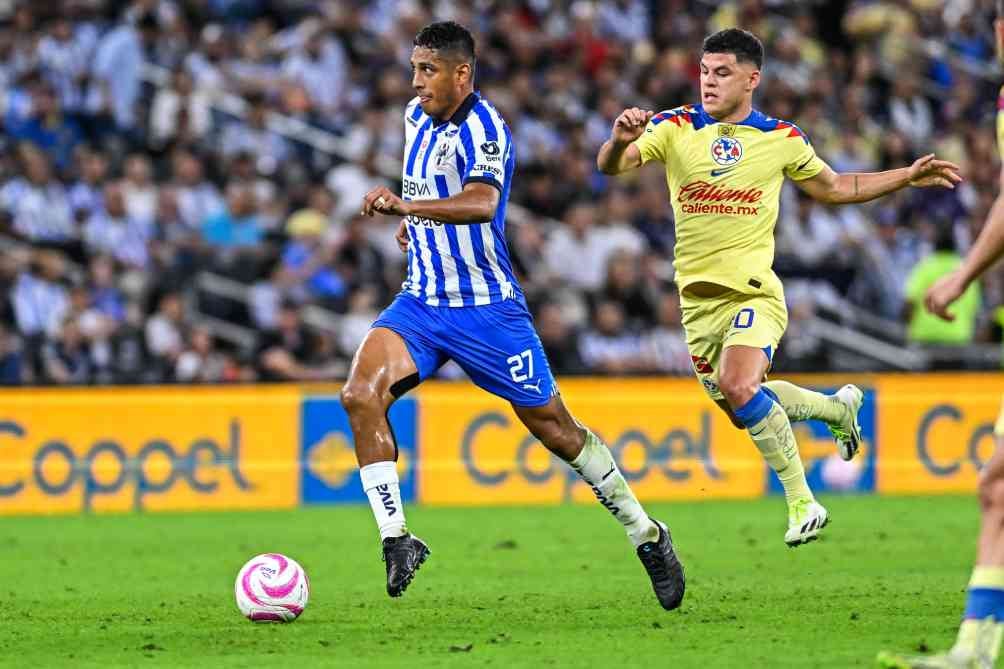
column 491, row 150
column 491, row 169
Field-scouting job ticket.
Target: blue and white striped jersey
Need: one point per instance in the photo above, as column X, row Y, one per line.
column 458, row 265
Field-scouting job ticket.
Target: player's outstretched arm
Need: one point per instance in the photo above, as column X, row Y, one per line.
column 619, row 154
column 833, row 188
column 476, row 203
column 989, row 248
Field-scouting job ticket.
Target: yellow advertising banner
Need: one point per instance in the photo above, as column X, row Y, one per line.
column 935, row 430
column 148, row 449
column 669, row 439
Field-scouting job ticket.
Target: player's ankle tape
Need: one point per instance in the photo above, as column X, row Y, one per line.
column 982, row 603
column 756, row 409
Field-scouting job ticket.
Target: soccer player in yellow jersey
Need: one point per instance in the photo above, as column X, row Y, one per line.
column 979, row 640
column 725, row 163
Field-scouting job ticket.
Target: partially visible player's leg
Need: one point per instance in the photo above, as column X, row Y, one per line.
column 742, row 368
column 384, row 368
column 552, row 424
column 731, row 339
column 724, row 406
column 381, row 371
column 983, row 622
column 979, row 640
column 498, row 348
column 804, row 404
column 380, row 366
column 991, row 492
column 751, row 338
column 561, row 434
column 760, row 321
column 839, row 411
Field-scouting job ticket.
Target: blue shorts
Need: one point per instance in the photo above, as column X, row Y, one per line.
column 495, row 344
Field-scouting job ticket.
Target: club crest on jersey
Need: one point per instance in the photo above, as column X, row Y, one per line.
column 726, row 151
column 441, row 153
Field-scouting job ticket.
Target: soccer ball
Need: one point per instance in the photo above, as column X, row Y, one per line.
column 840, row 475
column 271, row 588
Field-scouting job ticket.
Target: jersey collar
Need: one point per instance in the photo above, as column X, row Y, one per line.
column 756, row 119
column 463, row 110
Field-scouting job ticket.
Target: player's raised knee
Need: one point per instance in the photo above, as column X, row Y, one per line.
column 737, row 388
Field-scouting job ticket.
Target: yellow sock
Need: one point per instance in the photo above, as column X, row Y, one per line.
column 776, row 442
column 804, row 404
column 793, row 480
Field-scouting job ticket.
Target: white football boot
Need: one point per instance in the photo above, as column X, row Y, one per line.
column 806, row 517
column 847, row 433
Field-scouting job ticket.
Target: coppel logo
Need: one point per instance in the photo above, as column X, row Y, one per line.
column 57, row 468
column 971, row 446
column 673, row 455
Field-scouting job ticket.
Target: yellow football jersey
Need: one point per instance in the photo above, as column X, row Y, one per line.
column 725, row 185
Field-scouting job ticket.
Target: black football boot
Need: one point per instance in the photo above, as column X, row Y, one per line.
column 663, row 568
column 403, row 556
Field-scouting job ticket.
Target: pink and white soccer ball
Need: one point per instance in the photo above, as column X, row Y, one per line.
column 838, row 474
column 271, row 588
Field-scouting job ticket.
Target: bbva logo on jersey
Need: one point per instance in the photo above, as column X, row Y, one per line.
column 726, row 150
column 415, row 188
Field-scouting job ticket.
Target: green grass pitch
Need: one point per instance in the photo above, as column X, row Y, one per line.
column 505, row 587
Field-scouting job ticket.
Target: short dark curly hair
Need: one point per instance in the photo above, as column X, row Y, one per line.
column 744, row 44
column 449, row 39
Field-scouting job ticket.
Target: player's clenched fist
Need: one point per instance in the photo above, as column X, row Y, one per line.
column 630, row 125
column 381, row 201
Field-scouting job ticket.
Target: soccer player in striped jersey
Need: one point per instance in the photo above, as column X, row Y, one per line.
column 978, row 643
column 725, row 163
column 461, row 301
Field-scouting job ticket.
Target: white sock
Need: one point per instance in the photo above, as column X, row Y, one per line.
column 597, row 468
column 381, row 485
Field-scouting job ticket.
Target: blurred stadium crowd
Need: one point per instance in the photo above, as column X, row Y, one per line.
column 152, row 229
